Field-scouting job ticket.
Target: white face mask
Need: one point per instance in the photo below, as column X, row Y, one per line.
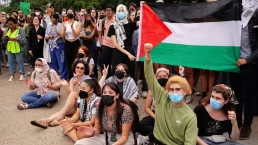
column 37, row 13
column 38, row 69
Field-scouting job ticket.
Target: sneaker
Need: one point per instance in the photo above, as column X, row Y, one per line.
column 245, row 132
column 195, row 91
column 7, row 65
column 11, row 79
column 142, row 140
column 144, row 94
column 189, row 99
column 28, row 73
column 22, row 106
column 21, row 77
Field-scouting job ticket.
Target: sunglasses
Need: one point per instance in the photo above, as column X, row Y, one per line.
column 81, row 68
column 174, row 89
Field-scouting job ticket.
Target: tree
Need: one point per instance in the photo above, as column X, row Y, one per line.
column 75, row 4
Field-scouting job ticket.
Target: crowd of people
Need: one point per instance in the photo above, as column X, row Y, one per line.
column 75, row 48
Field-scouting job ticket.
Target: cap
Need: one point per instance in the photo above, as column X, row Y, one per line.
column 3, row 13
column 162, row 69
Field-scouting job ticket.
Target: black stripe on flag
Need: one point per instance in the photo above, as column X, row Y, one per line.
column 222, row 10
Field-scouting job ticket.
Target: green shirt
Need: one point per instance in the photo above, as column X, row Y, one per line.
column 173, row 125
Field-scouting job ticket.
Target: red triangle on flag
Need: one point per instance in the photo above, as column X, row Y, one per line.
column 152, row 29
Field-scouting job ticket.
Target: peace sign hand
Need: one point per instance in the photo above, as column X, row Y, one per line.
column 105, row 70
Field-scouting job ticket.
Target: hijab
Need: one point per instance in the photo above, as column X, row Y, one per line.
column 249, row 7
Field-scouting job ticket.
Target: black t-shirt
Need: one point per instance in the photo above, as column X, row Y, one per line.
column 129, row 29
column 208, row 126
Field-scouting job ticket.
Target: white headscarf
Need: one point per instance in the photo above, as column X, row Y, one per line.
column 119, row 26
column 249, row 7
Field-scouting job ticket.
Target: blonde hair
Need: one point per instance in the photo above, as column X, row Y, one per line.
column 182, row 82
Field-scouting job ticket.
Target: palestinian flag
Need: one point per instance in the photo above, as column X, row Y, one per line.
column 196, row 35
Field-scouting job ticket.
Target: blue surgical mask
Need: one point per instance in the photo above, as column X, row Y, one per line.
column 121, row 15
column 215, row 104
column 176, row 98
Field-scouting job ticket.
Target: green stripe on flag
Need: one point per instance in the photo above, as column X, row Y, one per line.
column 218, row 58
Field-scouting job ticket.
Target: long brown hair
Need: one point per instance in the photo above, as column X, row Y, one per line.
column 118, row 108
column 227, row 107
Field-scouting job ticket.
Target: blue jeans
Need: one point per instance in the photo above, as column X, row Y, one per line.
column 34, row 100
column 58, row 60
column 12, row 63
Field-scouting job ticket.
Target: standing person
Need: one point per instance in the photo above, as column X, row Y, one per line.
column 15, row 42
column 36, row 40
column 56, row 46
column 29, row 25
column 89, row 40
column 94, row 14
column 71, row 32
column 245, row 83
column 171, row 112
column 121, row 34
column 105, row 41
column 47, row 19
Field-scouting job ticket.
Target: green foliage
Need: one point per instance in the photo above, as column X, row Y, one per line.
column 59, row 4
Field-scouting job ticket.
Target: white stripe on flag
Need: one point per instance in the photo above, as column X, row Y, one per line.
column 227, row 33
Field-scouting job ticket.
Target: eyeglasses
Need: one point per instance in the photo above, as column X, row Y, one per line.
column 81, row 68
column 81, row 15
column 38, row 65
column 174, row 89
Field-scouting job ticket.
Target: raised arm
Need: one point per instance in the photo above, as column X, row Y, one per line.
column 152, row 82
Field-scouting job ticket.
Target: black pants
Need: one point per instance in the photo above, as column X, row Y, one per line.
column 140, row 66
column 147, row 127
column 71, row 50
column 119, row 57
column 106, row 58
column 245, row 85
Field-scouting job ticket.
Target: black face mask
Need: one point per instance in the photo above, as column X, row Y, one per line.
column 163, row 81
column 80, row 55
column 107, row 100
column 83, row 94
column 120, row 74
column 70, row 16
column 102, row 16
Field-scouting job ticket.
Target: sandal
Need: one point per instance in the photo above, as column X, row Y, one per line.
column 22, row 106
column 53, row 123
column 40, row 123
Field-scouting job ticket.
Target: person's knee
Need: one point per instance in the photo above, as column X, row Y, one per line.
column 24, row 97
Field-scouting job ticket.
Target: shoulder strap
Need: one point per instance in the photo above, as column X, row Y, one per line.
column 88, row 60
column 34, row 75
column 103, row 25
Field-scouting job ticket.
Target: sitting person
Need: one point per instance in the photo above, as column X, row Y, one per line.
column 80, row 69
column 125, row 83
column 175, row 122
column 114, row 117
column 147, row 123
column 44, row 85
column 85, row 114
column 216, row 116
column 83, row 54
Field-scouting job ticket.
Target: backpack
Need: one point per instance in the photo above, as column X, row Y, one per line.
column 136, row 123
column 48, row 75
column 103, row 25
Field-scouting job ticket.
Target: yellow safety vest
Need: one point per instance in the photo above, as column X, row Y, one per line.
column 13, row 46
